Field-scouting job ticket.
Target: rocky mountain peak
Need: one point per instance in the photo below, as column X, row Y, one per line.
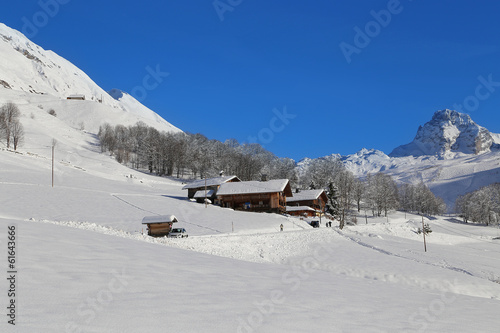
column 447, row 133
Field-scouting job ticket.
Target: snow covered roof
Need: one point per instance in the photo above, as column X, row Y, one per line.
column 252, row 187
column 306, row 195
column 159, row 219
column 217, row 181
column 299, row 208
column 201, row 194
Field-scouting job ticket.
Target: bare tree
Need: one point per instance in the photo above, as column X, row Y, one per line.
column 9, row 114
column 17, row 132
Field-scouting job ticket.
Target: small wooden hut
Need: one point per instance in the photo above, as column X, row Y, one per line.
column 77, row 97
column 159, row 226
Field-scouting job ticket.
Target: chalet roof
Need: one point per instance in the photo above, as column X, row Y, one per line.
column 76, row 96
column 306, row 195
column 159, row 219
column 201, row 194
column 299, row 208
column 217, row 181
column 254, row 187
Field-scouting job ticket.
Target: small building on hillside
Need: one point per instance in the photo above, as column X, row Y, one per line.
column 198, row 187
column 199, row 196
column 76, row 97
column 304, row 211
column 256, row 196
column 159, row 226
column 315, row 199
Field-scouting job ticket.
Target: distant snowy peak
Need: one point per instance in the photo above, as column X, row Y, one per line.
column 129, row 104
column 360, row 164
column 367, row 161
column 448, row 133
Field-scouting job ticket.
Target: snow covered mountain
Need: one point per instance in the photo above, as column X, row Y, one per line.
column 451, row 154
column 30, row 74
column 130, row 104
column 449, row 132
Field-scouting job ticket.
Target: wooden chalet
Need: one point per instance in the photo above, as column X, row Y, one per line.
column 315, row 199
column 256, row 196
column 211, row 184
column 76, row 97
column 304, row 211
column 159, row 226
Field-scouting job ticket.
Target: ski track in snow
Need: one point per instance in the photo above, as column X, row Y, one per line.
column 359, row 242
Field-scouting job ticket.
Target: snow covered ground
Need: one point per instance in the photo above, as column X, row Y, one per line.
column 85, row 266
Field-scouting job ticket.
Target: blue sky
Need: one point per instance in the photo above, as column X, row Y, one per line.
column 303, row 78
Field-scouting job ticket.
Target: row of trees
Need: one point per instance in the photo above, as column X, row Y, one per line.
column 482, row 205
column 193, row 155
column 419, row 198
column 11, row 129
column 180, row 154
column 378, row 193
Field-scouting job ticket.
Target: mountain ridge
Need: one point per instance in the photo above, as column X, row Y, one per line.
column 27, row 67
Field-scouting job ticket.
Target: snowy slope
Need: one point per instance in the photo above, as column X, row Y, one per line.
column 86, row 267
column 48, row 79
column 130, row 104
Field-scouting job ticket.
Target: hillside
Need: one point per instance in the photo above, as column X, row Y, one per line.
column 83, row 263
column 31, row 76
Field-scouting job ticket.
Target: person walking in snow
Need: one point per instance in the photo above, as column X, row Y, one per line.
column 281, row 227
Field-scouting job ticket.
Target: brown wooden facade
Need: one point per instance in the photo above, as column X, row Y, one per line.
column 159, row 226
column 267, row 201
column 318, row 203
column 304, row 211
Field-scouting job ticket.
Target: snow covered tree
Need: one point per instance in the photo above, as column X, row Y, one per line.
column 481, row 206
column 382, row 193
column 358, row 192
column 333, row 205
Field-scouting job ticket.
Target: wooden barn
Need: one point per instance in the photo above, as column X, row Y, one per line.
column 77, row 97
column 256, row 196
column 304, row 211
column 211, row 184
column 315, row 199
column 199, row 196
column 159, row 226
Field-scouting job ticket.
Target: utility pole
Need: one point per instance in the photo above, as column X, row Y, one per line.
column 53, row 148
column 423, row 231
column 205, row 191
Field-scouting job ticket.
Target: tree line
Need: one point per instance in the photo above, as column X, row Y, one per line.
column 378, row 193
column 11, row 129
column 195, row 156
column 192, row 155
column 481, row 206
